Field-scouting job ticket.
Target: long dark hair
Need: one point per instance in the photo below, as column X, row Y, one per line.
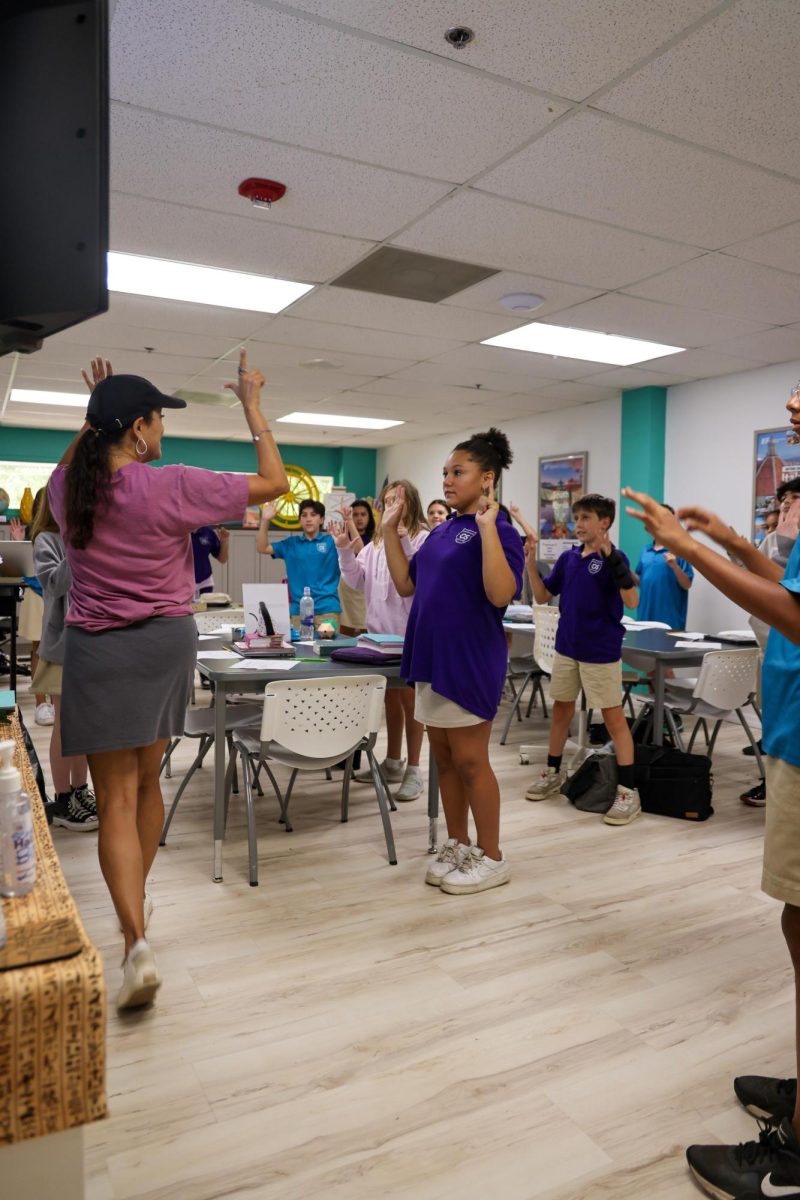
column 88, row 479
column 369, row 532
column 490, row 450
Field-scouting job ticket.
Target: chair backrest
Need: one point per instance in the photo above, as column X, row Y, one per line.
column 214, row 617
column 544, row 639
column 728, row 678
column 321, row 717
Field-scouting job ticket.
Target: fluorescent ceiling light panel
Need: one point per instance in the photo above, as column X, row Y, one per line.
column 323, row 420
column 195, row 284
column 559, row 342
column 57, row 399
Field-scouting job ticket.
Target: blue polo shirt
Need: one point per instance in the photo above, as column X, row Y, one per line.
column 661, row 597
column 590, row 627
column 780, row 681
column 311, row 563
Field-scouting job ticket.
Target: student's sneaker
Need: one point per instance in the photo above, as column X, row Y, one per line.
column 750, row 752
column 626, row 807
column 392, row 774
column 140, row 977
column 549, row 783
column 411, row 788
column 765, row 1097
column 476, row 873
column 70, row 812
column 44, row 714
column 86, row 798
column 451, row 854
column 768, row 1167
column 148, row 910
column 757, row 796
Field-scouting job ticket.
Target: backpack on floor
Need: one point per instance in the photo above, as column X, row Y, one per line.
column 672, row 783
column 593, row 787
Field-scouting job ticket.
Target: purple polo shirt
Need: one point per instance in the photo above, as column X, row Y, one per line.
column 455, row 639
column 590, row 628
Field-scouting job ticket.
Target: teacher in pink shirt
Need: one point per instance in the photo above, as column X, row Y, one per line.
column 131, row 640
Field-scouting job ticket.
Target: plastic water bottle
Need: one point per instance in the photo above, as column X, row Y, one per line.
column 17, row 849
column 307, row 616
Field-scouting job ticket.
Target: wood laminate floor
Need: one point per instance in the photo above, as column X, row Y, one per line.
column 344, row 1031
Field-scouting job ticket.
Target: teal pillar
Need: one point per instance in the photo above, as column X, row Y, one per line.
column 644, row 418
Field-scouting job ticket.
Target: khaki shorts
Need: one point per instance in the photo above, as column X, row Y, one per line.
column 601, row 682
column 431, row 708
column 781, row 876
column 31, row 614
column 47, row 678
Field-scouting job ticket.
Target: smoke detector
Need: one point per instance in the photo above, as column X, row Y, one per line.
column 262, row 193
column 522, row 302
column 459, row 36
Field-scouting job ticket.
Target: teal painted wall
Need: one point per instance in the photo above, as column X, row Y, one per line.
column 351, row 467
column 644, row 414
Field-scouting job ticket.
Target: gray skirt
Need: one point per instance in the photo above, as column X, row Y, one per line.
column 126, row 687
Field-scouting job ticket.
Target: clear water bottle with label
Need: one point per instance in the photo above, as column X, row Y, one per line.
column 17, row 849
column 307, row 616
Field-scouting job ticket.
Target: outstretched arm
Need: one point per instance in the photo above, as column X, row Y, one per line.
column 396, row 559
column 499, row 582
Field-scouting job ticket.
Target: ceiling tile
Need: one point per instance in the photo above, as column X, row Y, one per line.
column 702, row 364
column 366, row 310
column 264, row 72
column 517, row 363
column 577, row 393
column 486, row 296
column 148, row 313
column 432, row 397
column 721, row 284
column 296, row 332
column 635, row 377
column 632, row 317
column 165, row 158
column 105, row 334
column 151, row 227
column 271, row 354
column 502, row 233
column 570, row 48
column 460, row 375
column 725, row 85
column 771, row 346
column 594, row 166
column 781, row 248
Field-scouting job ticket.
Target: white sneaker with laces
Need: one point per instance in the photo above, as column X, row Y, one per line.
column 44, row 714
column 548, row 784
column 451, row 854
column 476, row 873
column 393, row 774
column 626, row 807
column 140, row 977
column 411, row 788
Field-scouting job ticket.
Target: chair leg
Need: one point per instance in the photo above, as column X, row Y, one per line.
column 229, row 782
column 382, row 792
column 162, row 841
column 284, row 817
column 514, row 709
column 166, row 762
column 752, row 741
column 233, row 757
column 545, row 713
column 252, row 843
column 348, row 771
column 713, row 740
column 329, row 774
column 673, row 728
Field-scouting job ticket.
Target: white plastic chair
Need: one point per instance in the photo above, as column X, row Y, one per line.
column 212, row 618
column 546, row 621
column 309, row 724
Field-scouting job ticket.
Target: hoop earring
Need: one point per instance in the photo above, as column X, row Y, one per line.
column 144, row 445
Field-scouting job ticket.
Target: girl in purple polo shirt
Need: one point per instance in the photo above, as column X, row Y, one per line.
column 462, row 579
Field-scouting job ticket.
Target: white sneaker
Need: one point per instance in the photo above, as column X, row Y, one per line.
column 450, row 856
column 476, row 873
column 148, row 910
column 45, row 714
column 548, row 784
column 140, row 977
column 626, row 807
column 412, row 787
column 393, row 774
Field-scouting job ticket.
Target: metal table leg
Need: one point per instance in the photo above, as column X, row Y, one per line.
column 220, row 746
column 433, row 803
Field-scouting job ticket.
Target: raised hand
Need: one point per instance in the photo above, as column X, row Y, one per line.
column 393, row 513
column 340, row 536
column 101, row 369
column 223, row 534
column 704, row 521
column 670, row 559
column 659, row 522
column 488, row 508
column 247, row 388
column 789, row 524
column 17, row 530
column 524, row 525
column 605, row 545
column 269, row 512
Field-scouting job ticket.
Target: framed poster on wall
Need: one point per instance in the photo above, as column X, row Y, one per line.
column 561, row 481
column 776, row 459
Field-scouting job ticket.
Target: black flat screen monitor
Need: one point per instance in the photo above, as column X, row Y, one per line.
column 54, row 151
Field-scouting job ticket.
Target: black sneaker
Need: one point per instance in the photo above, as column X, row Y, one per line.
column 750, row 752
column 771, row 1099
column 768, row 1167
column 86, row 798
column 70, row 813
column 757, row 796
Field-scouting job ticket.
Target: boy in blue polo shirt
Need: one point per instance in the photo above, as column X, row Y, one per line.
column 593, row 581
column 311, row 561
column 771, row 1165
column 664, row 582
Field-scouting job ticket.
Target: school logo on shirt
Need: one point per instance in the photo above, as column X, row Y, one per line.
column 322, row 547
column 465, row 536
column 595, row 566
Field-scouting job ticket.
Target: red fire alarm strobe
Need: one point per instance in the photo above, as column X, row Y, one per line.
column 262, row 192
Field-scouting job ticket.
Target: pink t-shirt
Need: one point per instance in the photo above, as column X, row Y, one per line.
column 138, row 563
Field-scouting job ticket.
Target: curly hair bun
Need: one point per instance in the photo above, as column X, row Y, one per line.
column 500, row 444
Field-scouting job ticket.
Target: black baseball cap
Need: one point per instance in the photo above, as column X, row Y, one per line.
column 117, row 401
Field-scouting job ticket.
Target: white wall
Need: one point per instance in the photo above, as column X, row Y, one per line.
column 592, row 427
column 709, row 460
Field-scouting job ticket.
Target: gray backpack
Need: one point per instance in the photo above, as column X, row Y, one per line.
column 594, row 785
